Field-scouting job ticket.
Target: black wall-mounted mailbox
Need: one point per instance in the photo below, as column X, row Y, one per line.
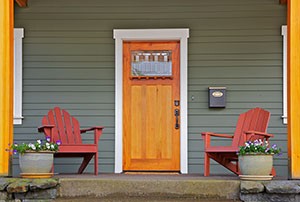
column 217, row 96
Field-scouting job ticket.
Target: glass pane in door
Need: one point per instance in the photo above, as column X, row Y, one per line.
column 151, row 63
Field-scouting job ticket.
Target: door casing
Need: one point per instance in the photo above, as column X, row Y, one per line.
column 121, row 35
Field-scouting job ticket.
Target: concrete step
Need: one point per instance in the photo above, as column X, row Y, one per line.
column 139, row 199
column 157, row 186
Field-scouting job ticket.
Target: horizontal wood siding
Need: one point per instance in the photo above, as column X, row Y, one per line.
column 69, row 61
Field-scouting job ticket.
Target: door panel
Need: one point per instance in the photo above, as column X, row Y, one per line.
column 150, row 140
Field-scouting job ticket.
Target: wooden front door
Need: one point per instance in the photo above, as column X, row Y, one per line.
column 151, row 104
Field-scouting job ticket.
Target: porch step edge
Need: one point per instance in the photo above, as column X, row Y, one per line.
column 206, row 189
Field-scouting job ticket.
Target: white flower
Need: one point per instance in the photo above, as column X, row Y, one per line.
column 33, row 147
column 52, row 146
column 47, row 145
column 39, row 141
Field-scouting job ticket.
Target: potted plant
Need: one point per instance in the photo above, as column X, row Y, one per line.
column 36, row 159
column 256, row 160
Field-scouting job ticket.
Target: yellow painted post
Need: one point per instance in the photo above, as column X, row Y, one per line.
column 6, row 82
column 294, row 87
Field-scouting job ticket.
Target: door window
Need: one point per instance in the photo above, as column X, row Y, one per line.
column 151, row 63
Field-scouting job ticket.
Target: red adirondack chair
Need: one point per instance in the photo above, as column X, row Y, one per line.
column 59, row 125
column 251, row 125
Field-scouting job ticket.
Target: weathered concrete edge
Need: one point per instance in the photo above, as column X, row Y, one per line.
column 215, row 189
column 28, row 189
column 283, row 191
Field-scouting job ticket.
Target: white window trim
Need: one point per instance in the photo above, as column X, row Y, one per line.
column 150, row 34
column 284, row 34
column 18, row 54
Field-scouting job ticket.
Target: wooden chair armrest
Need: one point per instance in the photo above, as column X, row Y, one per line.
column 206, row 137
column 90, row 129
column 216, row 135
column 42, row 128
column 97, row 132
column 267, row 135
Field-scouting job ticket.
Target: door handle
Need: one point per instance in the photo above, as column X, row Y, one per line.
column 176, row 112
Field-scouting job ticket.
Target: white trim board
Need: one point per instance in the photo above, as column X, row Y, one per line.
column 121, row 35
column 284, row 70
column 18, row 63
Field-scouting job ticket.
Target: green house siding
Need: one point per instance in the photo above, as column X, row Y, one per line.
column 69, row 61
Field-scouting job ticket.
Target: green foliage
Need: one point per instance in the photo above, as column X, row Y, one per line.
column 38, row 146
column 258, row 147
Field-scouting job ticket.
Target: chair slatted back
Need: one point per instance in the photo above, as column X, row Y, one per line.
column 67, row 128
column 256, row 119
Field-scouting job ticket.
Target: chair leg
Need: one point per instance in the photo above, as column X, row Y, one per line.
column 273, row 172
column 206, row 165
column 52, row 169
column 96, row 163
column 85, row 162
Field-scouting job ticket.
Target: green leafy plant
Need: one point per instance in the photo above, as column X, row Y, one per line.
column 38, row 146
column 258, row 147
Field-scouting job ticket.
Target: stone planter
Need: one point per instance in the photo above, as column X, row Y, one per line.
column 256, row 166
column 36, row 164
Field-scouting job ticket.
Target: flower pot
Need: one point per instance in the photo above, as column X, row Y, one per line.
column 36, row 164
column 256, row 164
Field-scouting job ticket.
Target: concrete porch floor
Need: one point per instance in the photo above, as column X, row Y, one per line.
column 147, row 187
column 152, row 187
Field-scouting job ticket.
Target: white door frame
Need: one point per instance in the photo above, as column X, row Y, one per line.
column 121, row 35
